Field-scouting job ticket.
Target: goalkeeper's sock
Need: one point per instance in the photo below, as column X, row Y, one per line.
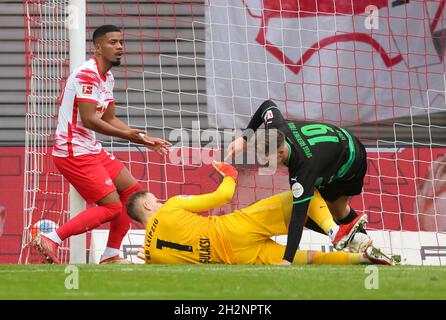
column 336, row 258
column 54, row 237
column 321, row 215
column 121, row 224
column 310, row 224
column 89, row 219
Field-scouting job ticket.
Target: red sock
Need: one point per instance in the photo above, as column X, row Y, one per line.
column 121, row 224
column 89, row 219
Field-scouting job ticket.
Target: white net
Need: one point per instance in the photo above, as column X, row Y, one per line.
column 47, row 65
column 375, row 67
column 193, row 69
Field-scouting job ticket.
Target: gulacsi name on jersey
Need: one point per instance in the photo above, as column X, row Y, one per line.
column 205, row 250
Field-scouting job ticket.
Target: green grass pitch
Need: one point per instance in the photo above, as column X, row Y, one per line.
column 220, row 282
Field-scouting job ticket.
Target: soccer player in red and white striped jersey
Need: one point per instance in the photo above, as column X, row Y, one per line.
column 88, row 107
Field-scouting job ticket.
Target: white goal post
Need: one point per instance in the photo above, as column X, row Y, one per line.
column 77, row 34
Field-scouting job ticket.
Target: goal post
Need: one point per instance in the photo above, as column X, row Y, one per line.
column 46, row 192
column 76, row 24
column 55, row 44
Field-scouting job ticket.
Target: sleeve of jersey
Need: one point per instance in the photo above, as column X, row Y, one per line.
column 302, row 188
column 295, row 229
column 199, row 203
column 267, row 113
column 86, row 84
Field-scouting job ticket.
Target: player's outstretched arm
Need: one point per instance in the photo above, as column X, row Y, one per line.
column 219, row 197
column 267, row 113
column 295, row 230
column 91, row 121
column 110, row 125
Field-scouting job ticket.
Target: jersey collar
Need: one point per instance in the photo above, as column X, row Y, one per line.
column 103, row 78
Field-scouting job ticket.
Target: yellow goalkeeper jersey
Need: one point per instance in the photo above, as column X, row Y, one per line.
column 177, row 234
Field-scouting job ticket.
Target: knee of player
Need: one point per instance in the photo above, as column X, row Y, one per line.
column 125, row 194
column 114, row 209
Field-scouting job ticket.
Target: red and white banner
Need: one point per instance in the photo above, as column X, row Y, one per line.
column 330, row 60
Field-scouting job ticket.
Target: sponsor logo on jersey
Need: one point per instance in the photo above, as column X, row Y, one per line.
column 112, row 157
column 268, row 115
column 87, row 89
column 297, row 190
column 185, row 196
column 108, row 181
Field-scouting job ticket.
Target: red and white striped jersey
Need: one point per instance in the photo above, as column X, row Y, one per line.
column 85, row 84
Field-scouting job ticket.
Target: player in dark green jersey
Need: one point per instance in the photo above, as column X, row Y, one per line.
column 318, row 155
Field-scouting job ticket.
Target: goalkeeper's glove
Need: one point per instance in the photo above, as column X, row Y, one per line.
column 225, row 169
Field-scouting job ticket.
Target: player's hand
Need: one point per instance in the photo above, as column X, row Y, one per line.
column 135, row 135
column 236, row 147
column 156, row 144
column 225, row 169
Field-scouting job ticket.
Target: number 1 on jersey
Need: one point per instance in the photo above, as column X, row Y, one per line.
column 162, row 243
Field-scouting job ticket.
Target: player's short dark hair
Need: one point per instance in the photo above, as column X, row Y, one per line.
column 134, row 210
column 274, row 133
column 102, row 30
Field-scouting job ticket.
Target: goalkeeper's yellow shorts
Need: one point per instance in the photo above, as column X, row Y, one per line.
column 249, row 230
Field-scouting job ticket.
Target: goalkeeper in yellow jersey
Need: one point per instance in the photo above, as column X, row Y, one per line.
column 176, row 233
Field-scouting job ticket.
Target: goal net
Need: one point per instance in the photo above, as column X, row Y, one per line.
column 45, row 193
column 194, row 70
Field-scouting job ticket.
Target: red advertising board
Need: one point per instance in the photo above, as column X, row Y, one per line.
column 404, row 189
